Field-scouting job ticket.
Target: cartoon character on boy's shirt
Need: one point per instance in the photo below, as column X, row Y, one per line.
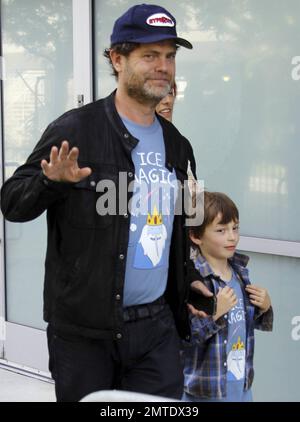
column 236, row 361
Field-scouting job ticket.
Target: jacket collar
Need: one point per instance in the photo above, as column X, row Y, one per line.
column 238, row 262
column 128, row 141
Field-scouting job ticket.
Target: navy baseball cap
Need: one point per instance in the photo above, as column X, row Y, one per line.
column 146, row 23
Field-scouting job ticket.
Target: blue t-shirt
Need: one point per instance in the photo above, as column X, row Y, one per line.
column 151, row 217
column 236, row 343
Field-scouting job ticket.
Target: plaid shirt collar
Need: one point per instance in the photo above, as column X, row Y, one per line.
column 238, row 262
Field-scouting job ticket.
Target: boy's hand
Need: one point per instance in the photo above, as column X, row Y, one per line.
column 226, row 299
column 63, row 165
column 259, row 297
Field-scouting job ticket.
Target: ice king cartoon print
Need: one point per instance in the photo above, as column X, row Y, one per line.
column 150, row 247
column 236, row 361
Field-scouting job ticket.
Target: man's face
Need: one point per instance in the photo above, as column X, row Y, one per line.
column 147, row 74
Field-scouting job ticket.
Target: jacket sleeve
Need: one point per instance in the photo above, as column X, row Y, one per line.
column 202, row 329
column 28, row 193
column 264, row 320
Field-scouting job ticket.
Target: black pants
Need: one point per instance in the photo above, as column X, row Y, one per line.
column 145, row 360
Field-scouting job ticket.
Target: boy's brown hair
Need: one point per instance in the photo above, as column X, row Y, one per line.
column 216, row 203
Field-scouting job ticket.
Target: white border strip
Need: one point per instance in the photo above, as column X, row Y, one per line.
column 270, row 246
column 2, row 263
column 82, row 50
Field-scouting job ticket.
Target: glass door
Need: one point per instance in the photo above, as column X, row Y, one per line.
column 42, row 48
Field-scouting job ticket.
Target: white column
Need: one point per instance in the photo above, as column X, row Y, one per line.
column 82, row 51
column 2, row 279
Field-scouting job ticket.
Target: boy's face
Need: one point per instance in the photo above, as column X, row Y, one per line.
column 219, row 240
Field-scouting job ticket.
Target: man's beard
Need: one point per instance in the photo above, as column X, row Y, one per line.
column 143, row 92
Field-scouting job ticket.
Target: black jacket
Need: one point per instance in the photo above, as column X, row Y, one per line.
column 86, row 252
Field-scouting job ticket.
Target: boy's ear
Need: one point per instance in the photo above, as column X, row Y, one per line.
column 195, row 240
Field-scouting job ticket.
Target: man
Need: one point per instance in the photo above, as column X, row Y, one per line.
column 114, row 282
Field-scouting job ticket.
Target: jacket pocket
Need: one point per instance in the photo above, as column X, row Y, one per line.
column 92, row 205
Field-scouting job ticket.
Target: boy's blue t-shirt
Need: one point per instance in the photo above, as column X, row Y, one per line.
column 236, row 342
column 151, row 217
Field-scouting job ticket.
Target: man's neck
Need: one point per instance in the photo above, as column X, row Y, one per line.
column 141, row 114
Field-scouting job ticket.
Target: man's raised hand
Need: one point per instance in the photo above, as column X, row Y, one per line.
column 63, row 165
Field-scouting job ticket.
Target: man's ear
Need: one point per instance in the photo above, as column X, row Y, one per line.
column 116, row 60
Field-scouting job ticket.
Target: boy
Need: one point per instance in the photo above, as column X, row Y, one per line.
column 219, row 358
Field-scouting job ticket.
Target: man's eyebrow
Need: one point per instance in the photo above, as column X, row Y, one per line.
column 151, row 51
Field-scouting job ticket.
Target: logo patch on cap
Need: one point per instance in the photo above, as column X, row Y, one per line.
column 160, row 19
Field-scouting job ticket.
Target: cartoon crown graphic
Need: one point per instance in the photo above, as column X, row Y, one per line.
column 155, row 219
column 239, row 345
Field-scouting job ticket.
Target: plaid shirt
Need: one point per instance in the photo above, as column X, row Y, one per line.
column 205, row 356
